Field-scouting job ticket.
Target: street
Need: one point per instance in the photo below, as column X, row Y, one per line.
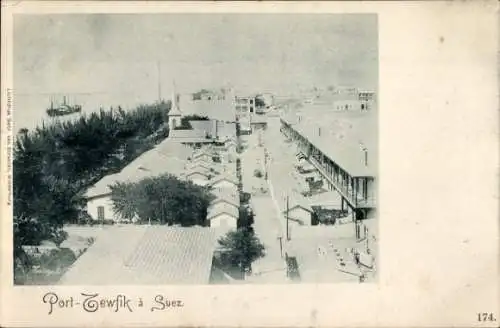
column 271, row 268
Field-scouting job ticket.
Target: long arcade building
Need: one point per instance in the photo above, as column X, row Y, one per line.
column 351, row 176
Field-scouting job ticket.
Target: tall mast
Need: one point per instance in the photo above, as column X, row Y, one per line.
column 158, row 64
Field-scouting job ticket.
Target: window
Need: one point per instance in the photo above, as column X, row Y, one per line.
column 100, row 212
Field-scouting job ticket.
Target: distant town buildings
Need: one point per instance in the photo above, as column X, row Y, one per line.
column 325, row 188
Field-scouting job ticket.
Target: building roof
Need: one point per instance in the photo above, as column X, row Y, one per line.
column 199, row 159
column 170, row 148
column 194, row 171
column 187, row 134
column 226, row 195
column 339, row 135
column 156, row 255
column 297, row 200
column 222, row 208
column 224, row 177
column 204, row 165
column 149, row 164
column 203, row 152
column 101, row 187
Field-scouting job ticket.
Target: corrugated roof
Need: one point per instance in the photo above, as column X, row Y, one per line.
column 146, row 255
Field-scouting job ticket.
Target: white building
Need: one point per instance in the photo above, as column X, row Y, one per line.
column 160, row 160
column 223, row 216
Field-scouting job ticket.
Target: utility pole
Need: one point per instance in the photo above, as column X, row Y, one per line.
column 281, row 245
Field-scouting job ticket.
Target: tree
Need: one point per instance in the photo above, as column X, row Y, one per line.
column 260, row 102
column 163, row 200
column 238, row 249
column 185, row 125
column 53, row 164
column 246, row 217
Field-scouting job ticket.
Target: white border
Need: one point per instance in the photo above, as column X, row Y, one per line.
column 438, row 188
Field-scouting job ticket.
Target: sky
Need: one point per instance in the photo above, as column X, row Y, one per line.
column 106, row 53
column 111, row 59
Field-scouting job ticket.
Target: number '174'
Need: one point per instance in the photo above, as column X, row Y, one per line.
column 484, row 316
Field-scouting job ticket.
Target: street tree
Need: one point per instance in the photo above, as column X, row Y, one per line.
column 239, row 249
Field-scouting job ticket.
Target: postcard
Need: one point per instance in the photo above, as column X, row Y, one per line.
column 260, row 164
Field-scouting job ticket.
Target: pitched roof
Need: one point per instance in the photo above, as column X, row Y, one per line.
column 224, row 177
column 297, row 200
column 211, row 167
column 222, row 208
column 156, row 255
column 101, row 186
column 201, row 171
column 200, row 159
column 203, row 153
column 226, row 195
column 149, row 164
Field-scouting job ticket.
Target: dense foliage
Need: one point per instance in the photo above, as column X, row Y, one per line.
column 246, row 217
column 54, row 164
column 260, row 102
column 162, row 200
column 238, row 249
